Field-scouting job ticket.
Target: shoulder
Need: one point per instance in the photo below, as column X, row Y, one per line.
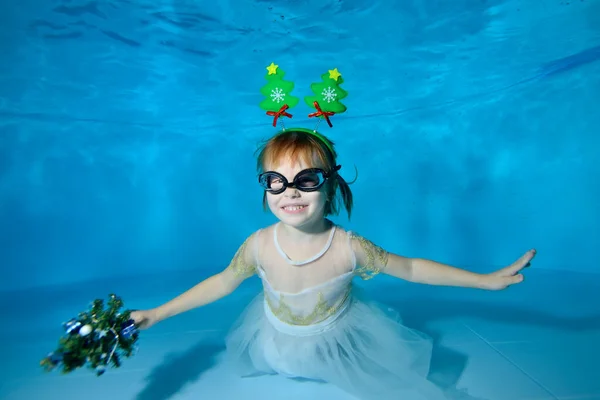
column 371, row 258
column 252, row 245
column 260, row 236
column 254, row 239
column 243, row 263
column 358, row 241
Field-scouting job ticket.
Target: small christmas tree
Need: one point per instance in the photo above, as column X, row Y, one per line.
column 98, row 338
column 278, row 94
column 328, row 93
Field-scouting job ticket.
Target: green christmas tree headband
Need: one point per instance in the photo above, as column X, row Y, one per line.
column 326, row 99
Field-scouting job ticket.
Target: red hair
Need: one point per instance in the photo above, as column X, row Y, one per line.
column 314, row 151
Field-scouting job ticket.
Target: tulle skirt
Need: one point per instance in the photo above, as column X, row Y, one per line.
column 365, row 350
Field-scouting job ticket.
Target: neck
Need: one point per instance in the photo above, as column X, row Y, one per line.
column 306, row 232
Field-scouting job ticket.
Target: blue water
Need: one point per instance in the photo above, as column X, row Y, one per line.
column 127, row 134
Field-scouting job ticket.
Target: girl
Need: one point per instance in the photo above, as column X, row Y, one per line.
column 309, row 322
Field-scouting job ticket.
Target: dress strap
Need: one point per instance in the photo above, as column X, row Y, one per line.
column 256, row 247
column 350, row 236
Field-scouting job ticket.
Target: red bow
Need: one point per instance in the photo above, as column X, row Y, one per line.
column 279, row 114
column 320, row 113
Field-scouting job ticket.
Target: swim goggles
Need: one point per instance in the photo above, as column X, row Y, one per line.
column 308, row 180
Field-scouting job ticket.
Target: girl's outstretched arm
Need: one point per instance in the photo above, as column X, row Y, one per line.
column 429, row 272
column 241, row 267
column 372, row 260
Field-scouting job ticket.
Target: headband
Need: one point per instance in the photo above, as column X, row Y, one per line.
column 326, row 99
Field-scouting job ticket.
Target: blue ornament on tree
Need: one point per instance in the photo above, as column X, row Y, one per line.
column 72, row 326
column 128, row 329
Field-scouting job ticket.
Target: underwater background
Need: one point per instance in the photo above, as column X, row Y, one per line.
column 127, row 139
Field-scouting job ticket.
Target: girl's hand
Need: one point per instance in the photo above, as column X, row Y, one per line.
column 144, row 319
column 510, row 275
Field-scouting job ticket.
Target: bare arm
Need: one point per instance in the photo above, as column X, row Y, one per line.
column 373, row 260
column 429, row 272
column 215, row 287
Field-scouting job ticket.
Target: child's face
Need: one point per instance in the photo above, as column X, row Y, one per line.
column 294, row 207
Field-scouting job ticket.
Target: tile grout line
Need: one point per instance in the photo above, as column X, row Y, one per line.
column 495, row 349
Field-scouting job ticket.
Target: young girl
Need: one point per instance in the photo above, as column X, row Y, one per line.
column 308, row 321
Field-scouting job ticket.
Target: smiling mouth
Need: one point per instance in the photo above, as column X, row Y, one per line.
column 293, row 208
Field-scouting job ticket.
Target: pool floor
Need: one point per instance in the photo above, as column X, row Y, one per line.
column 536, row 341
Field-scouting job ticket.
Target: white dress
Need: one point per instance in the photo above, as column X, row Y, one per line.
column 309, row 322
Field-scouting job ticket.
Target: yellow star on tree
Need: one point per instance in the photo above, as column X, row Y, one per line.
column 272, row 69
column 334, row 74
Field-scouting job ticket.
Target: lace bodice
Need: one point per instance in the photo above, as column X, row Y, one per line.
column 305, row 293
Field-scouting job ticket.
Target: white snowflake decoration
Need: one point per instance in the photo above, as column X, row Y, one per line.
column 277, row 95
column 329, row 94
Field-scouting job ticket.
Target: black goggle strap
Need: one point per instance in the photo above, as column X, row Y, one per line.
column 335, row 170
